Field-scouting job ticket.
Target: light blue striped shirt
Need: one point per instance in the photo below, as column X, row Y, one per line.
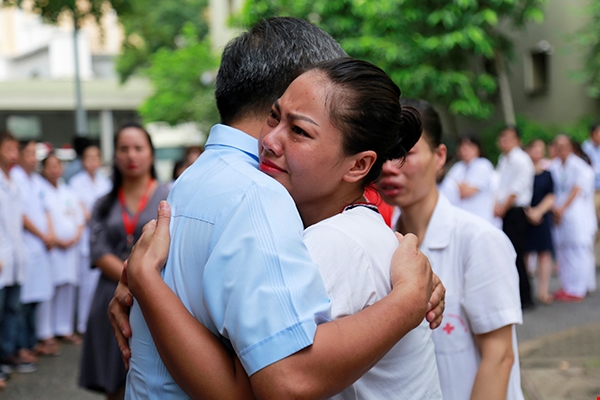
column 237, row 262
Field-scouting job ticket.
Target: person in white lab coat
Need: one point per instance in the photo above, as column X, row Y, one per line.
column 37, row 286
column 472, row 178
column 12, row 257
column 476, row 347
column 57, row 314
column 573, row 237
column 88, row 185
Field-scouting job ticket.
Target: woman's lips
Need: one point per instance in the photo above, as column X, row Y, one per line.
column 268, row 167
column 390, row 190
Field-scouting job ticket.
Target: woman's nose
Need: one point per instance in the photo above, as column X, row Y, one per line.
column 391, row 167
column 271, row 141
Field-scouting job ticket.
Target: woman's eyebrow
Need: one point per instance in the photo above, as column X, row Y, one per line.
column 294, row 116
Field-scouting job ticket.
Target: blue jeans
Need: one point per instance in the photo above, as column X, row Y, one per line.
column 27, row 326
column 10, row 308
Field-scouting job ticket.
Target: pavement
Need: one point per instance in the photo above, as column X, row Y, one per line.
column 559, row 350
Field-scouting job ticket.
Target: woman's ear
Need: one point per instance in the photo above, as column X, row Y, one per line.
column 361, row 164
column 441, row 152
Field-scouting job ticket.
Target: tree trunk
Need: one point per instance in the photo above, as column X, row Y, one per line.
column 504, row 88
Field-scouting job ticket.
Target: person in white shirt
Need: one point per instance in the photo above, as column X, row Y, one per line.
column 514, row 193
column 66, row 214
column 88, row 185
column 591, row 147
column 325, row 164
column 573, row 235
column 12, row 257
column 476, row 348
column 472, row 178
column 37, row 286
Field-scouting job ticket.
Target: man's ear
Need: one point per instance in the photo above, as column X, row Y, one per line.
column 361, row 165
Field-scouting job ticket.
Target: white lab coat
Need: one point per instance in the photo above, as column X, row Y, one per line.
column 12, row 244
column 478, row 174
column 88, row 191
column 476, row 262
column 37, row 285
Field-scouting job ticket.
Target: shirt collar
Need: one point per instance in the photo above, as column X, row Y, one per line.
column 439, row 230
column 223, row 135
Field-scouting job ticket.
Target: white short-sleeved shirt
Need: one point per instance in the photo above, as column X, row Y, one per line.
column 66, row 214
column 88, row 191
column 476, row 263
column 574, row 227
column 37, row 285
column 237, row 262
column 478, row 173
column 517, row 173
column 12, row 245
column 354, row 250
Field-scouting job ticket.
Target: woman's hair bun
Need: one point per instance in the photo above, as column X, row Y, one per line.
column 409, row 134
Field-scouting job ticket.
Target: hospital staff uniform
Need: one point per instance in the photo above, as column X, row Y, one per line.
column 37, row 286
column 478, row 174
column 354, row 251
column 476, row 263
column 13, row 259
column 87, row 190
column 573, row 236
column 66, row 214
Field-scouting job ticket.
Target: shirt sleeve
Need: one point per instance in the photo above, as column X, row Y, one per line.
column 350, row 288
column 522, row 175
column 491, row 297
column 261, row 288
column 479, row 174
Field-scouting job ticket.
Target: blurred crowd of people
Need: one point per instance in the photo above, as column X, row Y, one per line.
column 49, row 273
column 545, row 197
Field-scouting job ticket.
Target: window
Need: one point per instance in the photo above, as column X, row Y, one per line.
column 537, row 69
column 25, row 127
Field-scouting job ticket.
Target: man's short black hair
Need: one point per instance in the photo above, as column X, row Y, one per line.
column 257, row 66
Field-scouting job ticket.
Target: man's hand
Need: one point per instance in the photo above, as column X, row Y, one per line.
column 411, row 271
column 437, row 303
column 118, row 313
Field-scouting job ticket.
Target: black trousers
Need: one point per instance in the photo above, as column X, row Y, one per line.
column 514, row 225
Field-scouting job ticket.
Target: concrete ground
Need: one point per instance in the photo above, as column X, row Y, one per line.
column 559, row 347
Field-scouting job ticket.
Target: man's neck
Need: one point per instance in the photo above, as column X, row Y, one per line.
column 250, row 125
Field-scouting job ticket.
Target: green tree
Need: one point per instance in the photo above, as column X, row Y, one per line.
column 183, row 82
column 152, row 25
column 445, row 51
column 51, row 10
column 589, row 39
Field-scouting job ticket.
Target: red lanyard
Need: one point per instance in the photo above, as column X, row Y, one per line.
column 130, row 223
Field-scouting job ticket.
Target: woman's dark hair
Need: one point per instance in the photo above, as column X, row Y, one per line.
column 50, row 154
column 365, row 107
column 106, row 202
column 432, row 125
column 473, row 139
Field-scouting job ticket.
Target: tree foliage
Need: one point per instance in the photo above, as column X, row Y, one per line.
column 182, row 79
column 50, row 10
column 589, row 39
column 152, row 25
column 433, row 49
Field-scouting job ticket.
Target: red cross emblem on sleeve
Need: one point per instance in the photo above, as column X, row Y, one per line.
column 448, row 328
